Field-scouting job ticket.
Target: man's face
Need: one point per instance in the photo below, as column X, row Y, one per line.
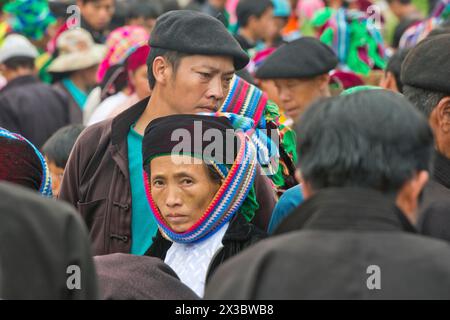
column 56, row 174
column 265, row 25
column 297, row 94
column 200, row 84
column 89, row 76
column 98, row 14
column 183, row 192
column 395, row 7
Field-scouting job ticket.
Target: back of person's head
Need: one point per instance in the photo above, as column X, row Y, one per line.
column 16, row 51
column 58, row 147
column 19, row 63
column 370, row 139
column 394, row 66
column 248, row 8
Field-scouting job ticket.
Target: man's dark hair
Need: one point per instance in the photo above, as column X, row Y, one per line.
column 394, row 66
column 58, row 147
column 372, row 139
column 144, row 9
column 173, row 57
column 15, row 63
column 424, row 100
column 247, row 8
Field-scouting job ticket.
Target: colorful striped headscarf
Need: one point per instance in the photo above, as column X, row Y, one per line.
column 246, row 100
column 22, row 163
column 121, row 43
column 419, row 31
column 236, row 187
column 249, row 109
column 30, row 17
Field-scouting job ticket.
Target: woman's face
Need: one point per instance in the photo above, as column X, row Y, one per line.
column 182, row 192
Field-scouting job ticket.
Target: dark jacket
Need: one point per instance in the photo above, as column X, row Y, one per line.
column 129, row 277
column 40, row 238
column 239, row 236
column 244, row 42
column 334, row 253
column 434, row 218
column 33, row 109
column 96, row 181
column 73, row 109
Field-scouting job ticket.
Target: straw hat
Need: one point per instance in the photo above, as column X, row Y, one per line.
column 77, row 51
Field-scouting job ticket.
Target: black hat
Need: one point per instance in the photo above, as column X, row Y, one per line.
column 160, row 137
column 196, row 33
column 427, row 66
column 303, row 58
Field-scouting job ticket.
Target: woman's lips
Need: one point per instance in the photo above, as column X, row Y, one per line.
column 177, row 218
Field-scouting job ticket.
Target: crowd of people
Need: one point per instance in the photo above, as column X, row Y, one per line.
column 225, row 149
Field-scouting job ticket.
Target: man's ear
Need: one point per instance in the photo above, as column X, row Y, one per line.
column 408, row 195
column 307, row 190
column 323, row 81
column 161, row 70
column 443, row 115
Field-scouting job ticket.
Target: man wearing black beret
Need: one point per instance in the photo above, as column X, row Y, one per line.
column 426, row 78
column 191, row 63
column 300, row 72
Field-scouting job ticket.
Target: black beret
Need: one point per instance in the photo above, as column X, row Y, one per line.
column 427, row 66
column 303, row 58
column 196, row 33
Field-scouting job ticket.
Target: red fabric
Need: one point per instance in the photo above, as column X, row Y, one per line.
column 19, row 163
column 137, row 58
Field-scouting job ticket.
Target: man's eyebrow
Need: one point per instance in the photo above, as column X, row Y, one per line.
column 215, row 70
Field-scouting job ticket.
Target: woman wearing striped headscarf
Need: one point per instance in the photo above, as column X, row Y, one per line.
column 202, row 201
column 22, row 163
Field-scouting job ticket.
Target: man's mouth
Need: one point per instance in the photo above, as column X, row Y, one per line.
column 208, row 108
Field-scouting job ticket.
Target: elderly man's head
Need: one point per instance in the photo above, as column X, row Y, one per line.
column 370, row 139
column 425, row 76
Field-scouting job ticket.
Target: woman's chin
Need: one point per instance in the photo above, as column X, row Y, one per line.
column 180, row 228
